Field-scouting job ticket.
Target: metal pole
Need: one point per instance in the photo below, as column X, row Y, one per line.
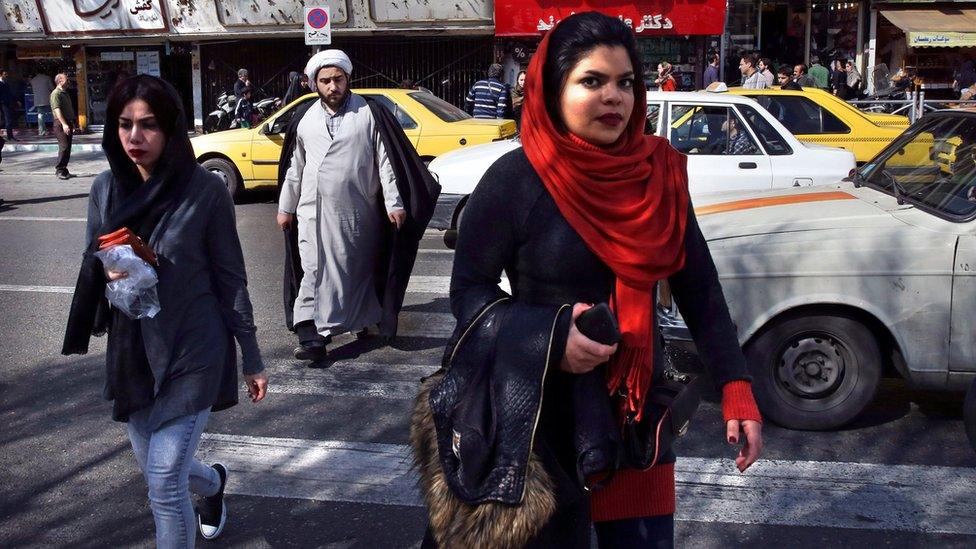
column 872, row 50
column 759, row 28
column 721, row 43
column 806, row 46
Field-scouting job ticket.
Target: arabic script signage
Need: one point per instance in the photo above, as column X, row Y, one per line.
column 645, row 17
column 102, row 16
column 942, row 39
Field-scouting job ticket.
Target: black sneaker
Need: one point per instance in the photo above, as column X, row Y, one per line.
column 64, row 175
column 211, row 510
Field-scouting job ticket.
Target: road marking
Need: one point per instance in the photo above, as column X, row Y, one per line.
column 418, row 284
column 41, row 289
column 793, row 493
column 33, row 218
column 348, row 379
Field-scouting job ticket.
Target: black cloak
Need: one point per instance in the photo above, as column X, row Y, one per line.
column 418, row 191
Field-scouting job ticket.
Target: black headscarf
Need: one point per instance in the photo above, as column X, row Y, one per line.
column 135, row 204
column 294, row 87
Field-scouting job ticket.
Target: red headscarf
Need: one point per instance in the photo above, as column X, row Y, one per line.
column 628, row 202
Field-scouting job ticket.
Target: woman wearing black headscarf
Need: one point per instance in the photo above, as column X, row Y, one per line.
column 296, row 88
column 165, row 374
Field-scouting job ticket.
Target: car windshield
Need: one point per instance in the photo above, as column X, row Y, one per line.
column 932, row 166
column 444, row 110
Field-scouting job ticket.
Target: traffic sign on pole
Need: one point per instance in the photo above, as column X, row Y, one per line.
column 318, row 26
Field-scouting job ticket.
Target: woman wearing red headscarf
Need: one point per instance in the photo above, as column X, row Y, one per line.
column 590, row 210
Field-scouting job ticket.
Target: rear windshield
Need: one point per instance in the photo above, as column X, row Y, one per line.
column 444, row 110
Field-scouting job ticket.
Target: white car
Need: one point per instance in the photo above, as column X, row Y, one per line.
column 700, row 124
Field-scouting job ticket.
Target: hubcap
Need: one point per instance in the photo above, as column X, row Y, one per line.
column 221, row 175
column 811, row 367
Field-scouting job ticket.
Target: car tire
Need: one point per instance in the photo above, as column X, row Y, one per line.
column 969, row 414
column 814, row 372
column 226, row 171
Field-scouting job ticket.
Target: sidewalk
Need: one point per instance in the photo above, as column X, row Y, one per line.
column 28, row 141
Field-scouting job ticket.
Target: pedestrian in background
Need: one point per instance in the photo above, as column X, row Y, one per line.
column 752, row 79
column 711, row 71
column 588, row 210
column 665, row 80
column 295, row 88
column 838, row 79
column 7, row 104
column 854, row 81
column 802, row 78
column 819, row 73
column 166, row 375
column 242, row 82
column 765, row 67
column 64, row 123
column 42, row 86
column 345, row 171
column 518, row 96
column 244, row 110
column 488, row 98
column 785, row 79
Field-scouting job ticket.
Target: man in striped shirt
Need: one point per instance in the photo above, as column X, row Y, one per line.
column 488, row 98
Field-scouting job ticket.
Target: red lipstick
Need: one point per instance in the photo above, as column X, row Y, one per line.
column 611, row 119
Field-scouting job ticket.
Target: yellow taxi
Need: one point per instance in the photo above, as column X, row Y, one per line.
column 248, row 158
column 815, row 116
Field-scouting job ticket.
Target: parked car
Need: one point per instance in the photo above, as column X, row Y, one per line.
column 816, row 116
column 248, row 158
column 697, row 124
column 832, row 287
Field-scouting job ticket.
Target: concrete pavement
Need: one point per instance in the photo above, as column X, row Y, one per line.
column 322, row 462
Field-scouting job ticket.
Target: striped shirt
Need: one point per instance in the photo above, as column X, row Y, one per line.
column 334, row 119
column 487, row 99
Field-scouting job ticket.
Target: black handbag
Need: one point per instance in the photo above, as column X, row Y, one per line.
column 668, row 410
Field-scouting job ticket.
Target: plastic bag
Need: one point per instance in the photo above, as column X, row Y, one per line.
column 135, row 295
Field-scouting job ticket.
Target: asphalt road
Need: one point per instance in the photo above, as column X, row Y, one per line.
column 322, row 463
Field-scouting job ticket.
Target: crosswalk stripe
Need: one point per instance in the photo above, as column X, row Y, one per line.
column 421, row 284
column 348, row 379
column 35, row 218
column 910, row 498
column 41, row 289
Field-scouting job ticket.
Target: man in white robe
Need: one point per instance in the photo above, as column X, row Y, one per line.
column 338, row 173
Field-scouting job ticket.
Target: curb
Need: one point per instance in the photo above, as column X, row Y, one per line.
column 48, row 147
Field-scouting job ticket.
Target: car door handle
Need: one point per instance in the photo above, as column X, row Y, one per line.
column 748, row 165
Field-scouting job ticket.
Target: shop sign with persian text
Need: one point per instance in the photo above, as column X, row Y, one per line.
column 646, row 18
column 102, row 16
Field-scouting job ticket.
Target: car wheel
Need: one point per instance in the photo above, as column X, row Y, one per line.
column 969, row 414
column 814, row 372
column 226, row 172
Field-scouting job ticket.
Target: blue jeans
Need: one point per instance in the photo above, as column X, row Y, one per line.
column 166, row 459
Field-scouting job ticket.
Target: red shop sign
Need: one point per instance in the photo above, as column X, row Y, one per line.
column 646, row 17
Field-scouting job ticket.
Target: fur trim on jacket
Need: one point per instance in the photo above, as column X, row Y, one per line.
column 455, row 524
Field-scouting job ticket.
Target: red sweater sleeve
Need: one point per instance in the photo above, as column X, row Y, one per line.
column 738, row 402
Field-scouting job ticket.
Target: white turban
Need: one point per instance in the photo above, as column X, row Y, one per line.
column 327, row 58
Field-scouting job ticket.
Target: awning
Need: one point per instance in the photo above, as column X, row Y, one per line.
column 932, row 20
column 942, row 39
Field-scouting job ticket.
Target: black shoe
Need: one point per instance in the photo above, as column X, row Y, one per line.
column 311, row 351
column 64, row 175
column 212, row 511
column 362, row 334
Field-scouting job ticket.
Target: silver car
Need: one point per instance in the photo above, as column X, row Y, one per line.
column 832, row 287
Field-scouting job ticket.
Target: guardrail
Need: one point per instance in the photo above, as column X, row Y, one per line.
column 914, row 107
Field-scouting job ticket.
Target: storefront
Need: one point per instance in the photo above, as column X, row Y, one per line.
column 677, row 32
column 930, row 41
column 790, row 32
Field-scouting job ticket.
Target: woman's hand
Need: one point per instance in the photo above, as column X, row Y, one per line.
column 582, row 353
column 257, row 386
column 115, row 275
column 753, row 444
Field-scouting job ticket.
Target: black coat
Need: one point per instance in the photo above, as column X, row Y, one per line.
column 418, row 191
column 511, row 224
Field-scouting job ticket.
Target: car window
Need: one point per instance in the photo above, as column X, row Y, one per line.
column 653, row 114
column 280, row 124
column 442, row 109
column 710, row 130
column 801, row 115
column 932, row 166
column 406, row 122
column 771, row 140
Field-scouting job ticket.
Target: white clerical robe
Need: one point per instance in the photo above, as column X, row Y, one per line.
column 333, row 187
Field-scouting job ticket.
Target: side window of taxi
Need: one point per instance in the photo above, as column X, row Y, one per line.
column 710, row 130
column 406, row 122
column 281, row 123
column 802, row 115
